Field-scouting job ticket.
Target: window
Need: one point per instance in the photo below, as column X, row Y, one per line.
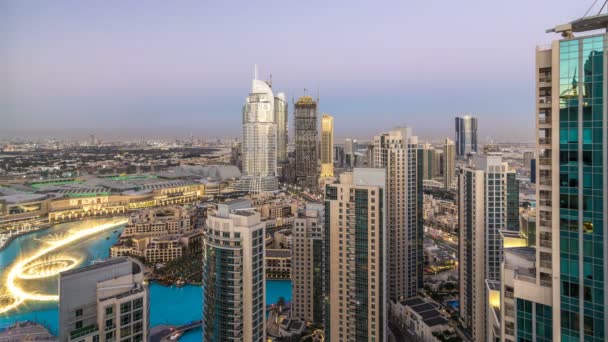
column 125, row 307
column 78, row 324
column 109, row 310
column 78, row 312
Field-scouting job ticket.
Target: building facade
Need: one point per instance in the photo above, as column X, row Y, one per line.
column 327, row 146
column 449, row 163
column 571, row 178
column 484, row 211
column 307, row 262
column 396, row 152
column 466, row 135
column 234, row 287
column 259, row 146
column 426, row 157
column 355, row 257
column 107, row 301
column 281, row 115
column 306, row 136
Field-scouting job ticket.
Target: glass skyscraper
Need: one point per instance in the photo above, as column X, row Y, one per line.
column 571, row 182
column 306, row 135
column 466, row 135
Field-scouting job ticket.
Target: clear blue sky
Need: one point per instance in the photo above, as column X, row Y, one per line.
column 168, row 68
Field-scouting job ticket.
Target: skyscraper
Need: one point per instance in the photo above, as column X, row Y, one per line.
column 396, row 152
column 466, row 135
column 483, row 207
column 572, row 178
column 307, row 264
column 355, row 257
column 107, row 301
column 449, row 153
column 426, row 157
column 327, row 146
column 234, row 287
column 350, row 148
column 259, row 146
column 280, row 116
column 305, row 122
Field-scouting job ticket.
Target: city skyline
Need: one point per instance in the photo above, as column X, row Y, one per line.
column 170, row 69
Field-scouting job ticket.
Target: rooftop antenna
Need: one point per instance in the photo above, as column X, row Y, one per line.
column 255, row 71
column 593, row 5
column 602, row 8
column 318, row 90
column 270, row 81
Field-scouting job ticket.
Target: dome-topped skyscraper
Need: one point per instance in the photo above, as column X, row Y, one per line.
column 259, row 139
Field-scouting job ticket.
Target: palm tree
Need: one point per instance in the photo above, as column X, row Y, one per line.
column 281, row 303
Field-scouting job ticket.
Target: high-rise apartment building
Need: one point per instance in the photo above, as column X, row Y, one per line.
column 259, row 148
column 449, row 164
column 327, row 146
column 483, row 212
column 528, row 156
column 396, row 152
column 350, row 150
column 307, row 264
column 234, row 289
column 571, row 180
column 305, row 123
column 426, row 157
column 355, row 257
column 466, row 135
column 106, row 301
column 280, row 117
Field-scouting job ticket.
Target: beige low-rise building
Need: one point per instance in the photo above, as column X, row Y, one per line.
column 158, row 222
column 154, row 249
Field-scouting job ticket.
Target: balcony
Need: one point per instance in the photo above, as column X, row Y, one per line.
column 544, row 141
column 544, row 120
column 544, row 161
column 545, row 181
column 546, row 264
column 544, row 101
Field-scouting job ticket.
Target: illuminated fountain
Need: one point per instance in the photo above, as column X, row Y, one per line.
column 41, row 265
column 49, row 267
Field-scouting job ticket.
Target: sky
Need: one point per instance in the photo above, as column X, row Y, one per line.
column 121, row 69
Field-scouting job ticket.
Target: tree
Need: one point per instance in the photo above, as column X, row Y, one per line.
column 281, row 303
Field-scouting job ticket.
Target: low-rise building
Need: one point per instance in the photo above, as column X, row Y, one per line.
column 158, row 222
column 422, row 319
column 278, row 264
column 153, row 249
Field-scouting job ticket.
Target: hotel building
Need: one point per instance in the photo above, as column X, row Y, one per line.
column 327, row 146
column 306, row 136
column 466, row 135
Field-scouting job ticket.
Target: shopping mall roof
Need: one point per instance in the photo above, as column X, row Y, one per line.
column 23, row 198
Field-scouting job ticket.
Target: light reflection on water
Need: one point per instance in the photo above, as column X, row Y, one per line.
column 167, row 304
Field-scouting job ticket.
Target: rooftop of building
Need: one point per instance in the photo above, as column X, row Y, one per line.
column 101, row 265
column 426, row 310
column 528, row 253
column 305, row 100
column 16, row 198
column 588, row 23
